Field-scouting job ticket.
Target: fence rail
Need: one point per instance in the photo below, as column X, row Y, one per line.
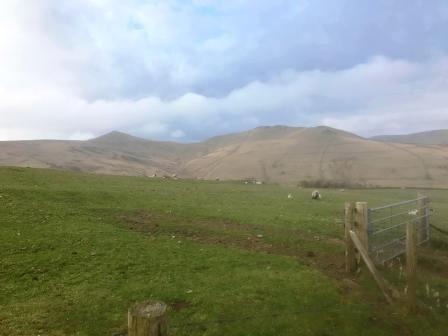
column 377, row 235
column 399, row 203
column 387, row 227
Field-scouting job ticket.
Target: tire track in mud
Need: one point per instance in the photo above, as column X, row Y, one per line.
column 258, row 238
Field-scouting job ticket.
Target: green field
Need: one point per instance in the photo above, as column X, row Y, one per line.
column 77, row 250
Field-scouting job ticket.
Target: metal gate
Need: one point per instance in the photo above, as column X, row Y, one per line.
column 387, row 227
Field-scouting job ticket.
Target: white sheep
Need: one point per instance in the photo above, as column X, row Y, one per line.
column 315, row 195
column 413, row 212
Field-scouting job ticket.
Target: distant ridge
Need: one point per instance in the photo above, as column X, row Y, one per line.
column 273, row 154
column 436, row 137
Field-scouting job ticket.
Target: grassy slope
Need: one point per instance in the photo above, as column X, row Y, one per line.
column 71, row 265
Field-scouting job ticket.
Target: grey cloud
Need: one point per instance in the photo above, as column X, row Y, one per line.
column 189, row 70
column 163, row 48
column 360, row 99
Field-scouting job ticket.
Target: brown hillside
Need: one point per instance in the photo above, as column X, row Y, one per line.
column 326, row 154
column 271, row 154
column 436, row 137
column 113, row 153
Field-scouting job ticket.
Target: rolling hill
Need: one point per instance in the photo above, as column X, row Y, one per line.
column 436, row 137
column 114, row 153
column 278, row 154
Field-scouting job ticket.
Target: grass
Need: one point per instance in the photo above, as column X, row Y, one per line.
column 77, row 250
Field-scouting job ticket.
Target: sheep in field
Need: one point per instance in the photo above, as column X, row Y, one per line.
column 413, row 212
column 315, row 195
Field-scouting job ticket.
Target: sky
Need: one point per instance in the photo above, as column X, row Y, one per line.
column 186, row 70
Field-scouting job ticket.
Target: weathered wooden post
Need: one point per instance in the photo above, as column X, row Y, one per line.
column 361, row 223
column 148, row 319
column 350, row 255
column 421, row 217
column 411, row 264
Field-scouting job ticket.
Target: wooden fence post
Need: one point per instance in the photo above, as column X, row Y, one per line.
column 361, row 223
column 350, row 255
column 421, row 214
column 411, row 264
column 148, row 319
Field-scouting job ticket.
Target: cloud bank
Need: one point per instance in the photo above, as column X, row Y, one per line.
column 189, row 70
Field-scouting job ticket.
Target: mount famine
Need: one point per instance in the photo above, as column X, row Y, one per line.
column 277, row 154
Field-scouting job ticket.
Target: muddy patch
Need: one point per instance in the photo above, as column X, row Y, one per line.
column 180, row 305
column 260, row 238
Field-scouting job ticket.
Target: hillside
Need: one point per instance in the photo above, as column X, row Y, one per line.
column 114, row 153
column 277, row 154
column 436, row 137
column 325, row 154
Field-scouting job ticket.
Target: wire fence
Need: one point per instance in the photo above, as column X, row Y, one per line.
column 439, row 230
column 387, row 227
